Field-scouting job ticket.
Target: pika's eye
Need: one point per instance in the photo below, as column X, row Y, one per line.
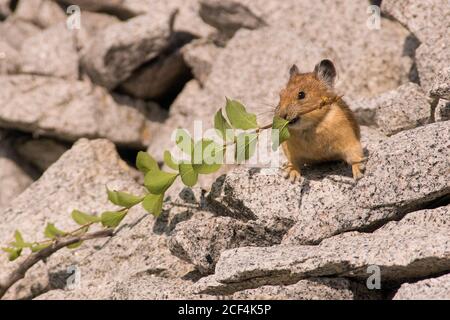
column 301, row 95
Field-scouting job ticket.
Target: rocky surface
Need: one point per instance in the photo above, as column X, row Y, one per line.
column 430, row 289
column 69, row 110
column 138, row 69
column 9, row 59
column 15, row 31
column 404, row 108
column 200, row 55
column 51, row 53
column 441, row 86
column 13, row 177
column 113, row 55
column 413, row 248
column 42, row 13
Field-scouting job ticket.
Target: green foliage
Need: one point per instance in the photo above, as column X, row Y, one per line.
column 158, row 181
column 246, row 146
column 153, row 203
column 184, row 141
column 280, row 132
column 207, row 156
column 123, row 199
column 75, row 245
column 222, row 126
column 53, row 232
column 169, row 161
column 39, row 246
column 239, row 117
column 19, row 242
column 13, row 253
column 145, row 163
column 188, row 175
column 83, row 218
column 112, row 219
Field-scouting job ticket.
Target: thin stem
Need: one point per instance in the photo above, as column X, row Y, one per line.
column 30, row 261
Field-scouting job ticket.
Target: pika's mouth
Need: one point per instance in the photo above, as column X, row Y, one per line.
column 294, row 120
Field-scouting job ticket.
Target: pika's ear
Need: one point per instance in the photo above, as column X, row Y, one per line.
column 326, row 72
column 294, row 70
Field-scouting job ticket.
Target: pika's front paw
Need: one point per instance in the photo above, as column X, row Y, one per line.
column 357, row 170
column 291, row 173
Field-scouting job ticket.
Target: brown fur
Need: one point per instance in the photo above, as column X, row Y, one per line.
column 326, row 134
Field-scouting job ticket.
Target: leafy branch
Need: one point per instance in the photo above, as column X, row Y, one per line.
column 206, row 157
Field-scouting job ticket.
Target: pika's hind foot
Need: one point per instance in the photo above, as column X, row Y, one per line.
column 291, row 173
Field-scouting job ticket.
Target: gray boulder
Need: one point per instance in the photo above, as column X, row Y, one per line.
column 9, row 59
column 411, row 249
column 187, row 19
column 428, row 20
column 42, row 13
column 442, row 112
column 113, row 54
column 441, row 85
column 362, row 72
column 51, row 52
column 200, row 241
column 72, row 109
column 200, row 56
column 14, row 179
column 15, row 31
column 431, row 59
column 429, row 289
column 404, row 108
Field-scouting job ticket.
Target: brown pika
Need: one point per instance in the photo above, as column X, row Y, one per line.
column 322, row 126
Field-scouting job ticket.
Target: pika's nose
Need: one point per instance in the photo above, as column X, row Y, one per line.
column 283, row 114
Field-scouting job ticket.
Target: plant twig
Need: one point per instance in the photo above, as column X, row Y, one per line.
column 30, row 261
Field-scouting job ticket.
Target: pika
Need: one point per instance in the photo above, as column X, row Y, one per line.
column 322, row 127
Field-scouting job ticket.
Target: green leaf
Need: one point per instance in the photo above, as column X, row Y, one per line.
column 245, row 146
column 207, row 156
column 280, row 131
column 157, row 181
column 144, row 162
column 123, row 199
column 39, row 246
column 19, row 242
column 184, row 141
column 75, row 245
column 13, row 253
column 188, row 175
column 153, row 203
column 168, row 160
column 222, row 126
column 83, row 218
column 239, row 117
column 112, row 219
column 52, row 232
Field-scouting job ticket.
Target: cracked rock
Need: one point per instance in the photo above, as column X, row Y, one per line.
column 429, row 289
column 413, row 248
column 113, row 54
column 51, row 52
column 404, row 108
column 72, row 109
